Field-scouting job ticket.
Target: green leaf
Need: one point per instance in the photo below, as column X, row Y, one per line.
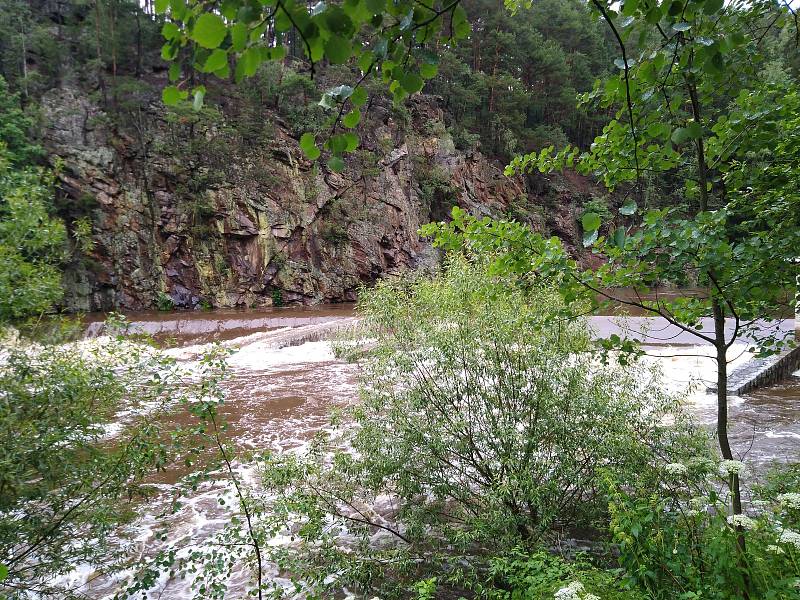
column 376, row 7
column 248, row 63
column 359, row 97
column 459, row 23
column 352, row 118
column 619, row 237
column 274, row 53
column 589, row 238
column 337, row 144
column 171, row 95
column 170, row 31
column 169, row 50
column 209, row 30
column 338, row 22
column 682, row 26
column 366, row 61
column 229, row 9
column 694, row 130
column 675, row 8
column 714, row 63
column 174, row 71
column 680, row 135
column 653, row 15
column 338, row 49
column 712, row 6
column 351, row 140
column 428, row 71
column 629, row 7
column 238, row 37
column 161, row 6
column 628, row 208
column 411, row 82
column 217, row 60
column 308, row 144
column 591, row 221
column 336, row 164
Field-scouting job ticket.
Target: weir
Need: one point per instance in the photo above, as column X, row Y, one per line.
column 761, row 372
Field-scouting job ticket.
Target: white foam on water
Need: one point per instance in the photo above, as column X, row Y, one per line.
column 259, row 356
column 689, row 370
column 260, row 374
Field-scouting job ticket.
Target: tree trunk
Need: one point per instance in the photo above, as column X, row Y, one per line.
column 139, row 50
column 24, row 59
column 100, row 79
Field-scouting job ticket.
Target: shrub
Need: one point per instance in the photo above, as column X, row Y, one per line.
column 521, row 575
column 164, row 302
column 335, row 234
column 63, row 486
column 32, row 242
column 676, row 539
column 484, row 423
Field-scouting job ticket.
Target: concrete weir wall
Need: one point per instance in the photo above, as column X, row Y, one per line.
column 761, row 372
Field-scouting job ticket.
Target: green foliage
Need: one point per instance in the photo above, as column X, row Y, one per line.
column 29, row 55
column 436, row 190
column 521, row 575
column 212, row 37
column 693, row 107
column 676, row 540
column 82, row 232
column 32, row 242
column 335, row 234
column 684, row 108
column 164, row 302
column 277, row 297
column 16, row 129
column 483, row 421
column 63, row 488
column 514, row 85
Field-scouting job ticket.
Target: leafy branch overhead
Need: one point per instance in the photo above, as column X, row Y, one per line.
column 388, row 40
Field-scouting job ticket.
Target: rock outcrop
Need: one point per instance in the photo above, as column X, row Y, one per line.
column 187, row 210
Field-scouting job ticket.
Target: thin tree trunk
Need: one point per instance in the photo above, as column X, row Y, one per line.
column 112, row 22
column 24, row 58
column 138, row 42
column 718, row 312
column 100, row 79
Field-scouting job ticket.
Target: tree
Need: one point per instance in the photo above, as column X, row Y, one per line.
column 694, row 108
column 32, row 242
column 388, row 40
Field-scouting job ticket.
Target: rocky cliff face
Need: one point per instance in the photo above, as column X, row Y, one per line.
column 189, row 210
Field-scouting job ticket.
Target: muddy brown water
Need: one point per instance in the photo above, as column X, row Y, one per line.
column 277, row 398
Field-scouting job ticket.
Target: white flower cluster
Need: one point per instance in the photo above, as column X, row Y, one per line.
column 570, row 592
column 676, row 469
column 574, row 591
column 790, row 500
column 789, row 536
column 742, row 521
column 731, row 467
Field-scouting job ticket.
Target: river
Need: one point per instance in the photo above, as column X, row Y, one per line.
column 284, row 380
